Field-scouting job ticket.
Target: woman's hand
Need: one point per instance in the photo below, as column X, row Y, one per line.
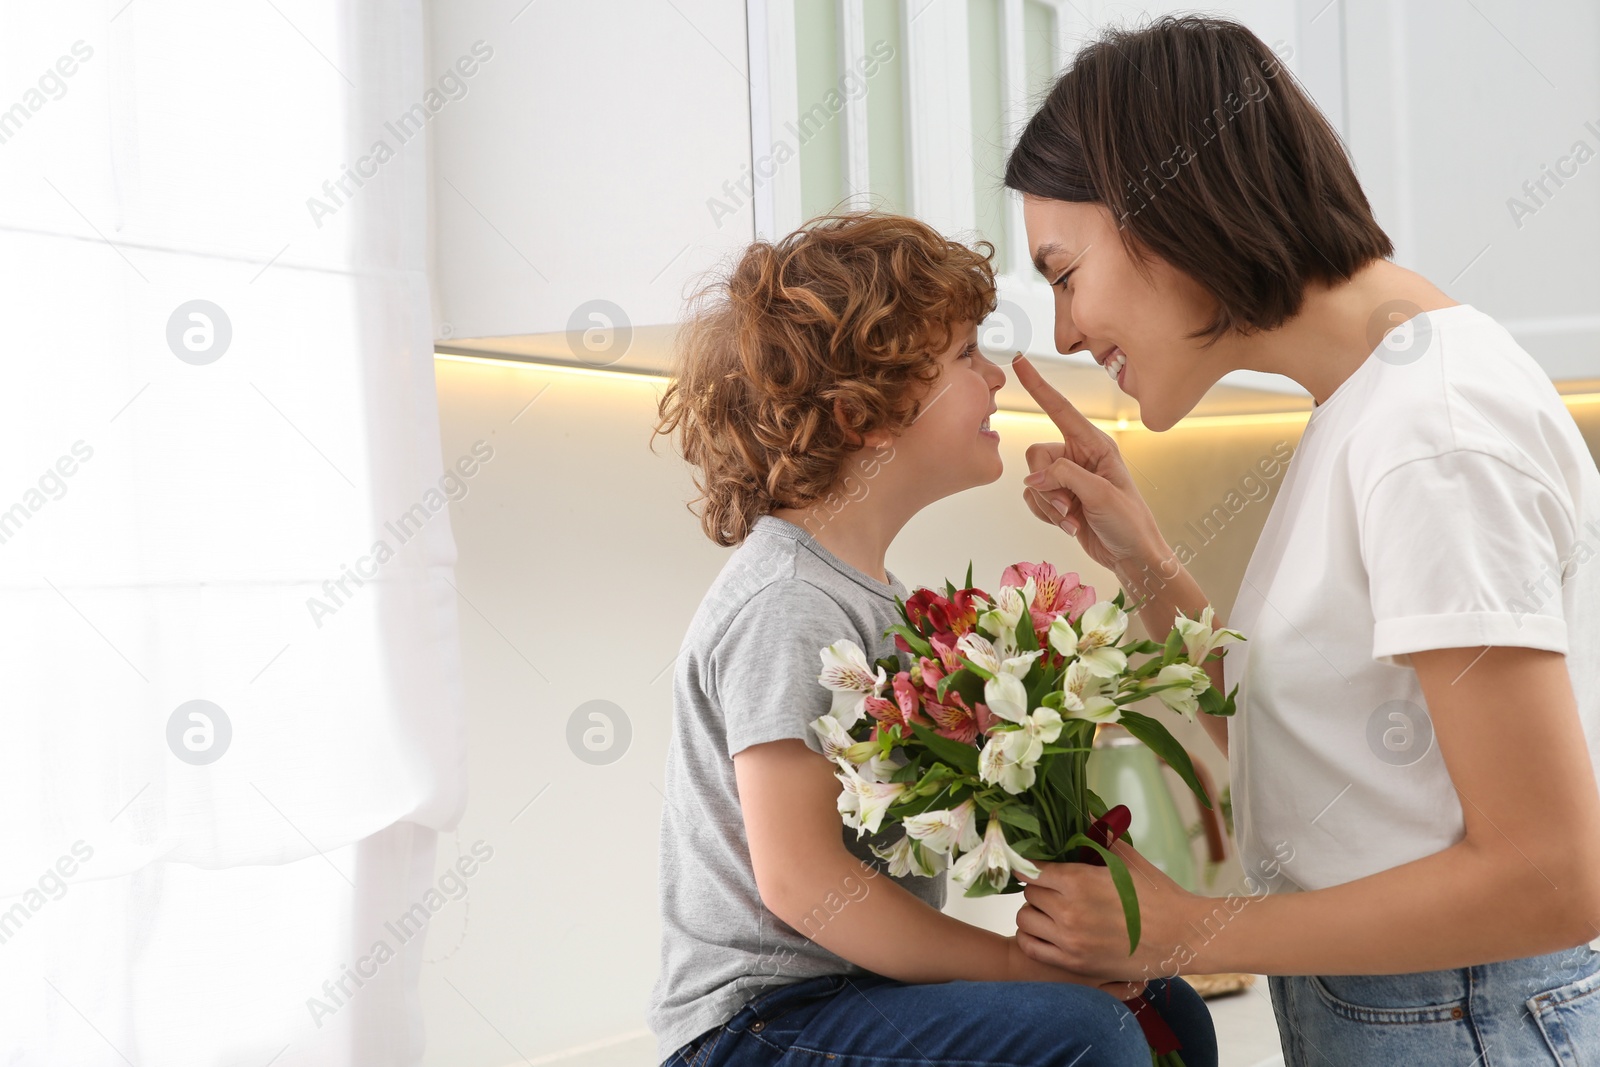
column 1024, row 968
column 1073, row 919
column 1086, row 474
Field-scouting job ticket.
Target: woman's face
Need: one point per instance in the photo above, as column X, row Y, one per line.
column 1104, row 304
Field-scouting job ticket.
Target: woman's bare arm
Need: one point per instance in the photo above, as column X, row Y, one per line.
column 1524, row 880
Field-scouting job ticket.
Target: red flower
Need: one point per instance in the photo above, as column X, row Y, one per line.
column 919, row 609
column 953, row 615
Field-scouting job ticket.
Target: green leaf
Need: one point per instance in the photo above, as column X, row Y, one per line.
column 1173, row 647
column 1163, row 744
column 969, row 575
column 975, row 669
column 1019, row 816
column 1214, row 703
column 912, row 638
column 1097, row 807
column 980, row 887
column 1141, row 648
column 1122, row 880
column 949, row 590
column 1031, row 847
column 931, row 781
column 1027, row 640
column 1139, row 694
column 962, row 757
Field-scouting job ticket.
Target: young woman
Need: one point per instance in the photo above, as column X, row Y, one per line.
column 831, row 388
column 1413, row 754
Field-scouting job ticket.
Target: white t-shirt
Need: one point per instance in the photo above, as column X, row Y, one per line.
column 1441, row 497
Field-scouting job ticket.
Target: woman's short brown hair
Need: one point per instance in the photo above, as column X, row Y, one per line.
column 1210, row 155
column 806, row 345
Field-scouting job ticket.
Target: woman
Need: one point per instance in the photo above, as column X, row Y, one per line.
column 1412, row 759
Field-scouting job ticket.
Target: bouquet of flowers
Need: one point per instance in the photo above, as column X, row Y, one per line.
column 980, row 749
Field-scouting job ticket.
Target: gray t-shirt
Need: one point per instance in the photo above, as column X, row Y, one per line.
column 747, row 673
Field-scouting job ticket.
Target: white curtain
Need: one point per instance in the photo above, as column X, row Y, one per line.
column 221, row 482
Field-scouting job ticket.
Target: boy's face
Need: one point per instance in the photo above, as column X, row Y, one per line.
column 949, row 443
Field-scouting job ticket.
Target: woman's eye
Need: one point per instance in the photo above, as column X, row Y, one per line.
column 1062, row 281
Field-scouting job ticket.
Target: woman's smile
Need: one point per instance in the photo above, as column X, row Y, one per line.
column 1116, row 364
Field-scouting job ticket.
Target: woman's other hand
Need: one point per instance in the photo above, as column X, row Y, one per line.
column 1086, row 475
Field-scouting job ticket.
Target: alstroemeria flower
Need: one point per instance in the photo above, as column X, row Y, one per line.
column 907, row 698
column 947, row 830
column 837, row 744
column 952, row 718
column 1003, row 691
column 1055, row 593
column 1083, row 695
column 1199, row 640
column 1103, row 626
column 1001, row 620
column 993, row 861
column 1011, row 756
column 846, row 673
column 906, row 856
column 1182, row 700
column 953, row 615
column 944, row 646
column 1026, row 743
column 863, row 802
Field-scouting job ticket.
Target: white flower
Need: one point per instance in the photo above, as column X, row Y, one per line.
column 863, row 803
column 846, row 673
column 1103, row 626
column 880, row 767
column 1003, row 692
column 1182, row 700
column 836, row 741
column 1011, row 756
column 1083, row 695
column 995, row 766
column 993, row 861
column 947, row 830
column 906, row 856
column 1001, row 620
column 1199, row 639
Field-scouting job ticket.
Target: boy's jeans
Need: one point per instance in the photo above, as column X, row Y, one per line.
column 869, row 1019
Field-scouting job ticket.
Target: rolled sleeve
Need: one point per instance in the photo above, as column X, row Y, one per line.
column 1462, row 550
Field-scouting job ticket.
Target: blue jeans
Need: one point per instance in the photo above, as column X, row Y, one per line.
column 869, row 1019
column 1540, row 1010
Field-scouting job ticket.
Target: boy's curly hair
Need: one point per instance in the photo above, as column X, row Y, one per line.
column 850, row 311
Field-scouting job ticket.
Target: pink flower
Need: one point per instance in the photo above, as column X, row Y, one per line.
column 955, row 720
column 944, row 645
column 905, row 694
column 884, row 710
column 1054, row 593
